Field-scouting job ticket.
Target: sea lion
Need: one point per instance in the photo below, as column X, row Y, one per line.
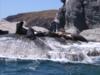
column 69, row 36
column 53, row 27
column 36, row 31
column 78, row 37
column 20, row 29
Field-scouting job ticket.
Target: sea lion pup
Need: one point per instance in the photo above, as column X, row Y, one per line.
column 3, row 32
column 20, row 29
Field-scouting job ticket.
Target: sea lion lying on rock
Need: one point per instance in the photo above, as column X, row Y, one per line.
column 64, row 35
column 30, row 32
column 70, row 36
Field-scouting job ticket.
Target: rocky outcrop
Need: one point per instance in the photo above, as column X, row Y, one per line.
column 3, row 32
column 91, row 34
column 82, row 14
column 10, row 27
column 77, row 15
column 36, row 31
column 40, row 29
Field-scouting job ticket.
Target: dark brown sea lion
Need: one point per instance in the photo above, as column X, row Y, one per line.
column 69, row 36
column 20, row 29
column 78, row 37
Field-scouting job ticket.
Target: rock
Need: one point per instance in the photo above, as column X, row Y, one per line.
column 8, row 26
column 93, row 53
column 92, row 12
column 40, row 29
column 82, row 14
column 91, row 34
column 3, row 32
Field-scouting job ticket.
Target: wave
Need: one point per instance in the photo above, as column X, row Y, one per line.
column 53, row 49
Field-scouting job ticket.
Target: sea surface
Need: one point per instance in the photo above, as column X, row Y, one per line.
column 37, row 67
column 48, row 56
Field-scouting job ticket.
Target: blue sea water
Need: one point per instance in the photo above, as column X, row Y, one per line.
column 39, row 67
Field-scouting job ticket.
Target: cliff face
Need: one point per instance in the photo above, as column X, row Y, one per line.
column 82, row 14
column 92, row 10
column 42, row 18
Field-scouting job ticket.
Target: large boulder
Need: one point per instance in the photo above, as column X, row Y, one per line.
column 91, row 34
column 3, row 32
column 40, row 29
column 6, row 26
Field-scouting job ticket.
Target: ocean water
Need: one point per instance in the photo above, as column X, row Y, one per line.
column 48, row 56
column 37, row 67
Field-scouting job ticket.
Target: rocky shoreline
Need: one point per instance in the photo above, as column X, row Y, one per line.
column 82, row 19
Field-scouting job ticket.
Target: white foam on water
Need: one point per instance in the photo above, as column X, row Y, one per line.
column 28, row 50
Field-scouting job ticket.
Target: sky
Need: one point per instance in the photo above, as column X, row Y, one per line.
column 13, row 7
